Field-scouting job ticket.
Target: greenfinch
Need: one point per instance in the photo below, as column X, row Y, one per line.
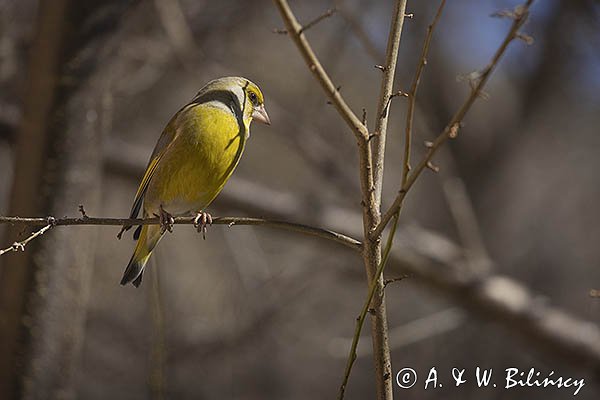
column 192, row 160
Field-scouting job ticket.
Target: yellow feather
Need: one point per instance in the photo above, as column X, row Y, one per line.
column 196, row 166
column 193, row 158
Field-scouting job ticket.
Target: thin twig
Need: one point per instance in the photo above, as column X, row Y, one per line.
column 21, row 245
column 294, row 29
column 412, row 94
column 451, row 130
column 310, row 24
column 320, row 18
column 363, row 314
column 230, row 221
column 371, row 159
column 386, row 94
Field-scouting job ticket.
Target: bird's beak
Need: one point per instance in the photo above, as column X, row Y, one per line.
column 260, row 114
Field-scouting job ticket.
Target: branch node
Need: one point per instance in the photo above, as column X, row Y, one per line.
column 315, row 21
column 380, row 67
column 433, row 167
column 428, row 144
column 453, row 132
column 525, row 38
column 409, row 15
column 51, row 221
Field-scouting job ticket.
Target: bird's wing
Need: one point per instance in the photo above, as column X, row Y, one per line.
column 166, row 138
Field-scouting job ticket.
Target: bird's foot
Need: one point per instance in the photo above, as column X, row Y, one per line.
column 202, row 219
column 166, row 220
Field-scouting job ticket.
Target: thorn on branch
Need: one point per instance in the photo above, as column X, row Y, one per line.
column 398, row 279
column 82, row 211
column 472, row 77
column 409, row 15
column 380, row 67
column 516, row 14
column 309, row 25
column 503, row 14
column 433, row 167
column 399, row 93
column 525, row 38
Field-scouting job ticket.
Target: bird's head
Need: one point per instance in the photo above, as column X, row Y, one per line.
column 245, row 98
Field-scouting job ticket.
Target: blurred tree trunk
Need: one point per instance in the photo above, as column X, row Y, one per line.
column 43, row 291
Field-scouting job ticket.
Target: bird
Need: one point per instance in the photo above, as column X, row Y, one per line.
column 194, row 157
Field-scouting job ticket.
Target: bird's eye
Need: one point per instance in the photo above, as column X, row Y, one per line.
column 253, row 98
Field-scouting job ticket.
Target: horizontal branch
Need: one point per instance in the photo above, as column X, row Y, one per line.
column 230, row 221
column 431, row 259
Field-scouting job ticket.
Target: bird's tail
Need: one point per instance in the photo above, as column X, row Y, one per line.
column 149, row 238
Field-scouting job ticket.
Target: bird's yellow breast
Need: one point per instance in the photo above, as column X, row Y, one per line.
column 207, row 147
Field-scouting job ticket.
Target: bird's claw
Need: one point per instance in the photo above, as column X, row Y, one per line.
column 201, row 221
column 166, row 220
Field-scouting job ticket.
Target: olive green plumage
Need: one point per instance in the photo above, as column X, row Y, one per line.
column 193, row 159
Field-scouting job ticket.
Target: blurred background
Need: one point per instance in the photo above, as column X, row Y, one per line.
column 254, row 313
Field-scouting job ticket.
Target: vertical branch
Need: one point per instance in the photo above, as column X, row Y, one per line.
column 376, row 281
column 385, row 96
column 371, row 175
column 372, row 162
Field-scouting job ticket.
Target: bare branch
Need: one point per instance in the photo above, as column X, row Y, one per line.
column 294, row 29
column 371, row 176
column 412, row 95
column 230, row 221
column 312, row 23
column 21, row 245
column 521, row 14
